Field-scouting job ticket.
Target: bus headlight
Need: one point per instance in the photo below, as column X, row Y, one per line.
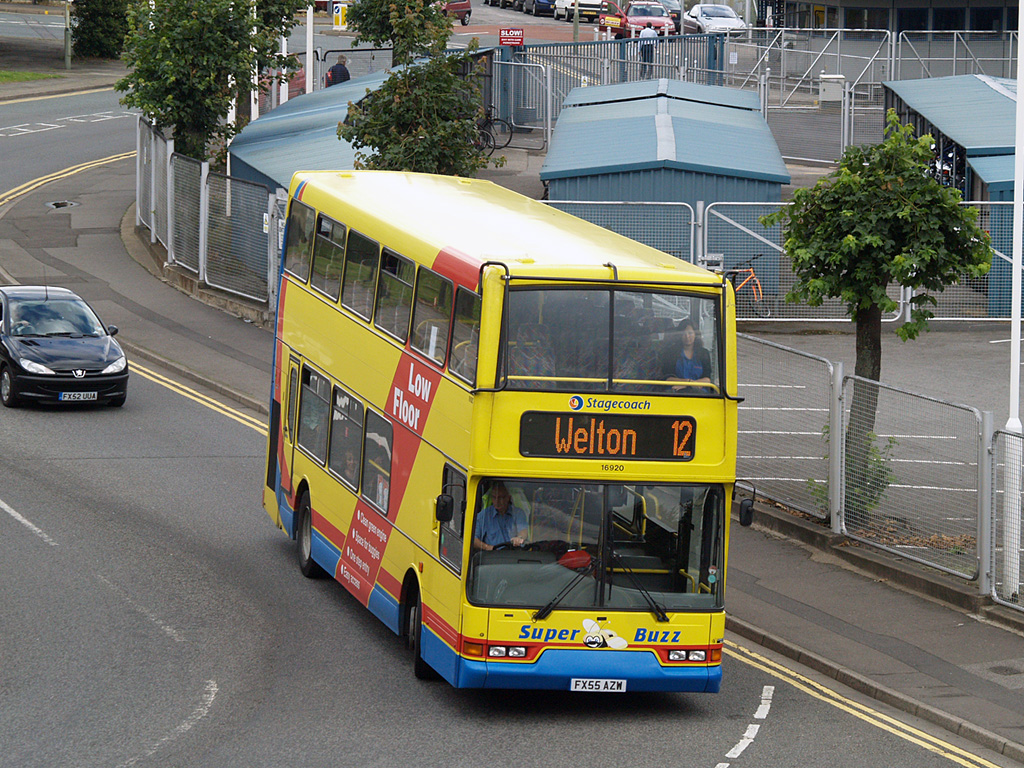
column 510, row 651
column 677, row 655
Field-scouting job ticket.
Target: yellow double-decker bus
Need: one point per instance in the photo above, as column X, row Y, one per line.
column 510, row 433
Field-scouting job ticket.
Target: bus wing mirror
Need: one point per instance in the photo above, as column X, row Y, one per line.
column 444, row 507
column 746, row 512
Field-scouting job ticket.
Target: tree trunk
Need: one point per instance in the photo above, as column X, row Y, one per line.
column 862, row 493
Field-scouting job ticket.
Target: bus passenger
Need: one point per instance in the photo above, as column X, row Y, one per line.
column 500, row 523
column 693, row 362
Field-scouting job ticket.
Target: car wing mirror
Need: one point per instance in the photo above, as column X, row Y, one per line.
column 112, row 330
column 443, row 508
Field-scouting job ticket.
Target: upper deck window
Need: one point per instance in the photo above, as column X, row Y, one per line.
column 432, row 315
column 627, row 341
column 328, row 256
column 361, row 257
column 394, row 294
column 299, row 244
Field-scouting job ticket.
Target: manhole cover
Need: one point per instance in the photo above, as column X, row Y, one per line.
column 61, row 204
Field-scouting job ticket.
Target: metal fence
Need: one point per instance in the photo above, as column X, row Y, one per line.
column 911, row 475
column 665, row 226
column 784, row 424
column 926, row 479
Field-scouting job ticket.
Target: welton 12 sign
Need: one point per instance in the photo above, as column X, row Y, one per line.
column 603, row 436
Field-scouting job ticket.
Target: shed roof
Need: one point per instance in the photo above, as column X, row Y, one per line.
column 953, row 105
column 302, row 133
column 995, row 170
column 704, row 129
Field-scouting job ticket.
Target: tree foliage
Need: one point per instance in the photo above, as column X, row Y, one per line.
column 188, row 63
column 881, row 218
column 424, row 116
column 99, row 27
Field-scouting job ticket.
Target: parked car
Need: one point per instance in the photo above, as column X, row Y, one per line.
column 537, row 7
column 675, row 11
column 54, row 348
column 566, row 9
column 628, row 20
column 715, row 18
column 460, row 8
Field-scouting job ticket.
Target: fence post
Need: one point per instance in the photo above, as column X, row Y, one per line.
column 699, row 234
column 835, row 450
column 138, row 169
column 204, row 218
column 986, row 522
column 169, row 182
column 152, row 186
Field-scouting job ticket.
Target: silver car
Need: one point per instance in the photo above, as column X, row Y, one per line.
column 715, row 18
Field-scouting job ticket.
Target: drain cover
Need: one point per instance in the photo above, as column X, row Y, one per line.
column 61, row 204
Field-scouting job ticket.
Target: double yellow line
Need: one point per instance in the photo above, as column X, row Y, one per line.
column 29, row 186
column 867, row 714
column 199, row 397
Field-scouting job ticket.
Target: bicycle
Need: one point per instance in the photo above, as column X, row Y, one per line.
column 752, row 300
column 484, row 142
column 500, row 130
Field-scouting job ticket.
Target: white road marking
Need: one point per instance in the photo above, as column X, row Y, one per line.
column 752, row 730
column 198, row 714
column 27, row 523
column 167, row 629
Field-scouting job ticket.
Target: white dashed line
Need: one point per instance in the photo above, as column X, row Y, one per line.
column 27, row 523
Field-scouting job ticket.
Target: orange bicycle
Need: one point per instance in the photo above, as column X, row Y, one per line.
column 752, row 302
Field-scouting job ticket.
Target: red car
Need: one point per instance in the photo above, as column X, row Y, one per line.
column 628, row 20
column 460, row 8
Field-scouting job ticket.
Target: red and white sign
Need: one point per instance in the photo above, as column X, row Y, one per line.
column 510, row 36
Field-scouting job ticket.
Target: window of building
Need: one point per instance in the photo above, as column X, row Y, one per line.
column 299, row 241
column 432, row 315
column 986, row 19
column 866, row 18
column 948, row 19
column 911, row 19
column 328, row 256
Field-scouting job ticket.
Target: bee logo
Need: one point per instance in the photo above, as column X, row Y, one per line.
column 575, row 402
column 601, row 638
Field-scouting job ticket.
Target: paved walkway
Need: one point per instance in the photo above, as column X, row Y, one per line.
column 893, row 630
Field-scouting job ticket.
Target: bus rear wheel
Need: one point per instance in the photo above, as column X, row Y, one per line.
column 304, row 538
column 414, row 623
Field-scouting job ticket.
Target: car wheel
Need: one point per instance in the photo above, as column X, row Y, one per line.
column 414, row 623
column 465, row 19
column 304, row 538
column 536, row 8
column 7, row 394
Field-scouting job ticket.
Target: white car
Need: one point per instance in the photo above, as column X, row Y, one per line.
column 715, row 18
column 589, row 9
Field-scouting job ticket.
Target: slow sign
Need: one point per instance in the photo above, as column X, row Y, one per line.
column 510, row 36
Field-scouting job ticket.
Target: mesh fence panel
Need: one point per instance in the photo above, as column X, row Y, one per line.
column 911, row 475
column 237, row 243
column 783, row 420
column 665, row 226
column 145, row 201
column 160, row 188
column 186, row 181
column 735, row 239
column 943, row 54
column 1007, row 574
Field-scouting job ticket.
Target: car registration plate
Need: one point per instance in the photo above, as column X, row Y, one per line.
column 600, row 685
column 78, row 395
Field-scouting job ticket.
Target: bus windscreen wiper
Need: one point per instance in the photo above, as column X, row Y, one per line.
column 544, row 612
column 659, row 612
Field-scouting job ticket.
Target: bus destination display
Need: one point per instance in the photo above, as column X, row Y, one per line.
column 603, row 436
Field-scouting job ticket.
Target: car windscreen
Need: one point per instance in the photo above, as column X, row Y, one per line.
column 53, row 317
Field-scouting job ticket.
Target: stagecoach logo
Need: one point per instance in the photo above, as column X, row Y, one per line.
column 575, row 402
column 78, row 373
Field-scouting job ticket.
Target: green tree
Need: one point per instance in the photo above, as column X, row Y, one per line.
column 188, row 63
column 423, row 118
column 880, row 219
column 99, row 27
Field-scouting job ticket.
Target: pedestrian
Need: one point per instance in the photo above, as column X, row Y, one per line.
column 338, row 73
column 648, row 39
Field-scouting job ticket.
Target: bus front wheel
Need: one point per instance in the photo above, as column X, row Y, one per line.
column 304, row 538
column 420, row 668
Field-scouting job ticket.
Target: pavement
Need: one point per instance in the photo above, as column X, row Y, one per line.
column 910, row 637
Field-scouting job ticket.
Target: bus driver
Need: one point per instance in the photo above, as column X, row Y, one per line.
column 501, row 522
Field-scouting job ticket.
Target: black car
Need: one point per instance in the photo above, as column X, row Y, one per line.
column 53, row 347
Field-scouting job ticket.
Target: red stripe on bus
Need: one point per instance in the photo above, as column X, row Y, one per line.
column 459, row 267
column 329, row 531
column 441, row 628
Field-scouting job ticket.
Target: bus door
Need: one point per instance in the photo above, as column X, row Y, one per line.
column 286, row 454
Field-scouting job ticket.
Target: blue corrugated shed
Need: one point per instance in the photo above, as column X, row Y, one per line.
column 996, row 173
column 978, row 112
column 300, row 135
column 663, row 140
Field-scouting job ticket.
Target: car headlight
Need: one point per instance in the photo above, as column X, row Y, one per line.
column 117, row 366
column 33, row 367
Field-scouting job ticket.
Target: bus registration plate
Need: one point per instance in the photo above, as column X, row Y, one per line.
column 597, row 684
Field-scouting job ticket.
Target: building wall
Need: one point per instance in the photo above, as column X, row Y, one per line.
column 664, row 185
column 899, row 15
